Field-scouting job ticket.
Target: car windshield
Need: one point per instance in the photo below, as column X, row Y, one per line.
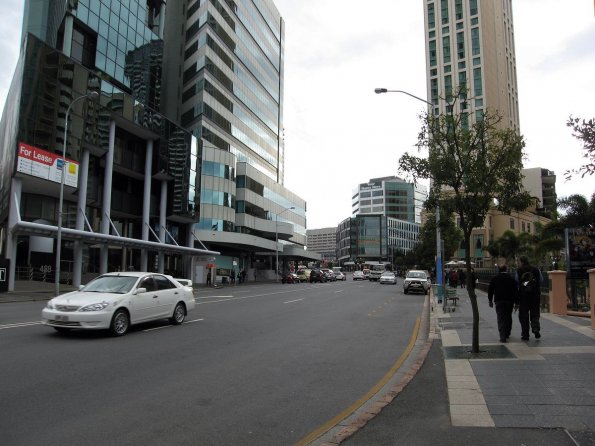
column 387, row 273
column 111, row 284
column 416, row 275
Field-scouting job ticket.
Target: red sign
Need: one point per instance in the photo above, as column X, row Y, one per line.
column 47, row 165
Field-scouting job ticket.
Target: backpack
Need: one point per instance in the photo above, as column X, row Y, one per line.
column 528, row 284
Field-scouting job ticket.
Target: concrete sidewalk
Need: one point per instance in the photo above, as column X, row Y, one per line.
column 522, row 392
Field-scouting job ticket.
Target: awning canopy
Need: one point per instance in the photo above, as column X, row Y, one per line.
column 38, row 229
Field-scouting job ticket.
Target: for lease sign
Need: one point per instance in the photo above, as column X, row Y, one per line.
column 41, row 164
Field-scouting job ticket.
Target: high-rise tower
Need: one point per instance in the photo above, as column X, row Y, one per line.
column 470, row 43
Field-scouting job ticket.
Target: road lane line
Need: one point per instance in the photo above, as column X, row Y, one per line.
column 168, row 326
column 19, row 325
column 373, row 391
column 292, row 301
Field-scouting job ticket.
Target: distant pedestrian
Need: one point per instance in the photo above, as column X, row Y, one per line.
column 529, row 283
column 232, row 277
column 462, row 278
column 453, row 278
column 503, row 291
column 473, row 279
column 242, row 276
column 209, row 278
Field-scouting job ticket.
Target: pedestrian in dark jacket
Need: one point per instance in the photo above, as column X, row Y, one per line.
column 503, row 291
column 529, row 283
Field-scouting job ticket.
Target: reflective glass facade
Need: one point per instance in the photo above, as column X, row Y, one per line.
column 232, row 80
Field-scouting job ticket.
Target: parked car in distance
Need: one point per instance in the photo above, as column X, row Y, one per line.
column 115, row 301
column 358, row 275
column 340, row 276
column 303, row 275
column 416, row 280
column 388, row 277
column 290, row 278
column 329, row 274
column 316, row 275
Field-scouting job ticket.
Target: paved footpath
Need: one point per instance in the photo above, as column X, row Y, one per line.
column 520, row 393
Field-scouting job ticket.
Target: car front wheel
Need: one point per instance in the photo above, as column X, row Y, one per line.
column 179, row 314
column 120, row 323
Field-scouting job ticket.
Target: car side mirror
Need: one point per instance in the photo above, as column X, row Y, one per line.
column 81, row 287
column 140, row 290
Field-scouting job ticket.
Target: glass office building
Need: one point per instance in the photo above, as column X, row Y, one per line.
column 162, row 171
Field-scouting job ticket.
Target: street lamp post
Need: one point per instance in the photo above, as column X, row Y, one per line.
column 93, row 94
column 277, row 242
column 439, row 276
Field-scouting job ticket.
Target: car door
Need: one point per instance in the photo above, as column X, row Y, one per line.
column 169, row 294
column 145, row 306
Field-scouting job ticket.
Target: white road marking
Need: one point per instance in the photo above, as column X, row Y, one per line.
column 21, row 324
column 168, row 326
column 291, row 301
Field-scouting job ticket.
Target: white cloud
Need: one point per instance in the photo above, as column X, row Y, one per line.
column 339, row 133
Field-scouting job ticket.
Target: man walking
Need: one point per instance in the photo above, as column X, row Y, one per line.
column 503, row 291
column 529, row 283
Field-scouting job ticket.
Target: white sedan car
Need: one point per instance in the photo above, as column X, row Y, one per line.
column 416, row 281
column 115, row 301
column 388, row 277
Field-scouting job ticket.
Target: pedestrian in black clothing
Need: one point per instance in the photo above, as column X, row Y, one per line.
column 209, row 278
column 462, row 278
column 529, row 283
column 503, row 291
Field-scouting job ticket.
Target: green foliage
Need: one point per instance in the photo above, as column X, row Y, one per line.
column 473, row 168
column 578, row 211
column 584, row 131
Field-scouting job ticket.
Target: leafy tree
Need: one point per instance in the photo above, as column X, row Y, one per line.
column 584, row 131
column 579, row 211
column 449, row 232
column 473, row 168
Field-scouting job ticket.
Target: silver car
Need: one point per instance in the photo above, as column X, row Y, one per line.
column 388, row 277
column 416, row 280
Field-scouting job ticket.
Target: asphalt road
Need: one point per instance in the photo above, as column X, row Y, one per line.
column 254, row 365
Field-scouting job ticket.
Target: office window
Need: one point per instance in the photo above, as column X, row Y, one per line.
column 512, row 223
column 431, row 16
column 432, row 51
column 477, row 82
column 475, row 45
column 461, row 45
column 444, row 11
column 473, row 7
column 459, row 9
column 446, row 49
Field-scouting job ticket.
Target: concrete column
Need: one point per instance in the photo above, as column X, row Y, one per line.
column 67, row 41
column 591, row 292
column 107, row 196
column 16, row 189
column 161, row 19
column 146, row 204
column 162, row 221
column 558, row 295
column 189, row 260
column 80, row 217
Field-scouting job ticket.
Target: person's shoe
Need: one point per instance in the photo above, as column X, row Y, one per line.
column 503, row 340
column 524, row 338
column 537, row 335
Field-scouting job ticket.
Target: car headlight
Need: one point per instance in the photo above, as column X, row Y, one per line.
column 95, row 307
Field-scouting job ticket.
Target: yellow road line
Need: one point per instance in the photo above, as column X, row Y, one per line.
column 374, row 390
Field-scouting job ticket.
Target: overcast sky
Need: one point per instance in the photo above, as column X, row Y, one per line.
column 338, row 133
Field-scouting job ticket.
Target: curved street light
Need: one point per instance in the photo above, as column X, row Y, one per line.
column 439, row 277
column 277, row 242
column 93, row 94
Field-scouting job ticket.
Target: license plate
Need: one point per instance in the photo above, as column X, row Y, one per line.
column 62, row 318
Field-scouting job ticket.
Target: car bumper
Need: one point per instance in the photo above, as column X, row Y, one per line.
column 390, row 282
column 93, row 320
